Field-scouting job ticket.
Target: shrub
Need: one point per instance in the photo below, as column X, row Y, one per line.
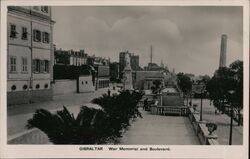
column 120, row 108
column 89, row 127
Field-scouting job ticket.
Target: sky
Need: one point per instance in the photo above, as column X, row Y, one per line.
column 186, row 38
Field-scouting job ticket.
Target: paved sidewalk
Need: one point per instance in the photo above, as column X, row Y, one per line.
column 223, row 122
column 19, row 114
column 160, row 130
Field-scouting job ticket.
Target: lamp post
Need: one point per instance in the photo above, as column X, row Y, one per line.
column 201, row 109
column 192, row 93
column 231, row 92
column 202, row 92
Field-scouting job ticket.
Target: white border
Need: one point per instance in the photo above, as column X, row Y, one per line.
column 69, row 151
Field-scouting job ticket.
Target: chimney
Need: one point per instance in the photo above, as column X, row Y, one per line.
column 223, row 51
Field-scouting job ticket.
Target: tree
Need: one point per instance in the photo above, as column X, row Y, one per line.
column 185, row 84
column 120, row 108
column 91, row 126
column 237, row 69
column 219, row 86
column 225, row 80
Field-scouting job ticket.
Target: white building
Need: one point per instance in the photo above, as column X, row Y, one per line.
column 30, row 54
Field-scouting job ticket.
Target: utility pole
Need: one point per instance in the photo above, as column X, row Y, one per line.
column 231, row 126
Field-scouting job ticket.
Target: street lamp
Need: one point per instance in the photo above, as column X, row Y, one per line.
column 231, row 92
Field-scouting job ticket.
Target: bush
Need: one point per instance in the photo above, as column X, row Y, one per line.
column 91, row 126
column 120, row 108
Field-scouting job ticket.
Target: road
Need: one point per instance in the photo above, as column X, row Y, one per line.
column 18, row 115
column 223, row 122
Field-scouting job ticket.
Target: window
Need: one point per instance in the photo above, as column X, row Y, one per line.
column 13, row 32
column 37, row 86
column 24, row 64
column 25, row 87
column 13, row 87
column 36, row 66
column 24, row 33
column 46, row 85
column 46, row 62
column 12, row 64
column 45, row 9
column 42, row 66
column 37, row 35
column 45, row 37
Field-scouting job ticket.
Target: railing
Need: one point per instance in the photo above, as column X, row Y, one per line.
column 163, row 110
column 201, row 130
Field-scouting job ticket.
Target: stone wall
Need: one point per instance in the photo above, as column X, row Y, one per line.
column 22, row 97
column 201, row 130
column 33, row 136
column 65, row 86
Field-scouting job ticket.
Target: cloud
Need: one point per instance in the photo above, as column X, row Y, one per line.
column 185, row 38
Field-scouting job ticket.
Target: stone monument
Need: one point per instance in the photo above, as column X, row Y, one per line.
column 127, row 74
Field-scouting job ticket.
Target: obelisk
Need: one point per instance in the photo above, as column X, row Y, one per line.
column 223, row 51
column 127, row 74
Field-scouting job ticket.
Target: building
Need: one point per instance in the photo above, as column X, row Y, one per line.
column 78, row 58
column 102, row 68
column 70, row 57
column 103, row 77
column 114, row 71
column 134, row 61
column 144, row 79
column 30, row 54
column 154, row 67
column 72, row 79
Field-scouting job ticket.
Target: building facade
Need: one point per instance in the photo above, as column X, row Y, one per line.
column 70, row 57
column 102, row 69
column 114, row 71
column 30, row 54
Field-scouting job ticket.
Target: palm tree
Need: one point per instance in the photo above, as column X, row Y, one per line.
column 89, row 127
column 120, row 108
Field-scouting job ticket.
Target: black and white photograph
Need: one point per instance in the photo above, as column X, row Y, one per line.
column 125, row 75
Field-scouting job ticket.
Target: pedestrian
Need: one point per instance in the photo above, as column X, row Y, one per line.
column 113, row 87
column 215, row 112
column 109, row 92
